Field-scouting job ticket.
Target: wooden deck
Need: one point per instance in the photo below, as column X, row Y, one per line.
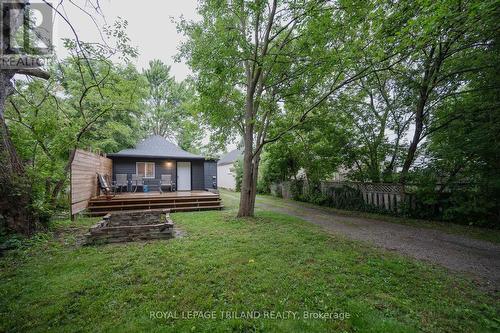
column 175, row 201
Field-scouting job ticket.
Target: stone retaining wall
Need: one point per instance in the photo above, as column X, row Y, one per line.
column 129, row 226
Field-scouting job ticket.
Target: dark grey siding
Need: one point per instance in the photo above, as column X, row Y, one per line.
column 201, row 171
column 127, row 165
column 197, row 174
column 165, row 167
column 210, row 173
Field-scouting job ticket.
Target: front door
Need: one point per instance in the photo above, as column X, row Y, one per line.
column 184, row 176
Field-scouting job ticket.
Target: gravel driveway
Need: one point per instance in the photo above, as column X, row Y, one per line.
column 480, row 259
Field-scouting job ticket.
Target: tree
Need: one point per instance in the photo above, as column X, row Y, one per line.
column 160, row 119
column 445, row 37
column 464, row 156
column 49, row 120
column 314, row 150
column 18, row 203
column 437, row 45
column 170, row 107
column 264, row 66
column 377, row 108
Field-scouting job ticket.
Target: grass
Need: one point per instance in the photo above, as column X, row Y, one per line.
column 491, row 235
column 269, row 263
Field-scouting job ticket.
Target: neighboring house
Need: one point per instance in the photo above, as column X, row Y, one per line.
column 226, row 174
column 156, row 156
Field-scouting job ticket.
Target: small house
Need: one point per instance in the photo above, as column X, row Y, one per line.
column 156, row 156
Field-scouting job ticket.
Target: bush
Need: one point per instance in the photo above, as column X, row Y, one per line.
column 463, row 205
column 346, row 197
column 342, row 198
column 263, row 187
column 238, row 170
column 296, row 187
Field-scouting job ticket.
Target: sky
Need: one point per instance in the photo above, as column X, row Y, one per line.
column 150, row 27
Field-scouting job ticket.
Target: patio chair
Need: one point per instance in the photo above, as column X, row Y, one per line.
column 137, row 181
column 105, row 185
column 166, row 180
column 121, row 181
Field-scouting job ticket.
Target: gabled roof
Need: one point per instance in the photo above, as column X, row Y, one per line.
column 156, row 146
column 230, row 157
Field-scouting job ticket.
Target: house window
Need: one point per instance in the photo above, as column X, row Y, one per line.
column 145, row 169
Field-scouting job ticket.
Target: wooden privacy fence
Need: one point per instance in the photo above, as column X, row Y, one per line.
column 83, row 185
column 382, row 195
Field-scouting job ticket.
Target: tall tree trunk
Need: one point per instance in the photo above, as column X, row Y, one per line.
column 255, row 84
column 389, row 170
column 410, row 156
column 246, row 208
column 15, row 193
column 432, row 67
column 255, row 175
column 419, row 127
column 16, row 200
column 7, row 147
column 246, row 183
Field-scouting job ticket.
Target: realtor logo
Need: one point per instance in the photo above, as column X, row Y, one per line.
column 26, row 33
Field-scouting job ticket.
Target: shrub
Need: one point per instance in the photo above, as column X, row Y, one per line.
column 346, row 197
column 238, row 170
column 263, row 187
column 296, row 189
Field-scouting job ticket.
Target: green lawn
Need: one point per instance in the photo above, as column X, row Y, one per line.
column 270, row 263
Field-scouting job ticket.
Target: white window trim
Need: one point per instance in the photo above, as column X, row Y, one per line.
column 137, row 169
